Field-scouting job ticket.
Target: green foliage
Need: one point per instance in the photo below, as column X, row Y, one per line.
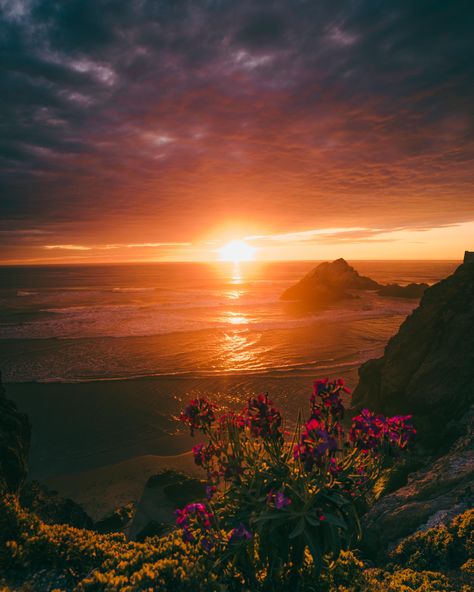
column 38, row 556
column 444, row 547
column 277, row 503
column 407, row 580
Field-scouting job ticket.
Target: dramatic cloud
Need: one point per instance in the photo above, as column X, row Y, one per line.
column 149, row 122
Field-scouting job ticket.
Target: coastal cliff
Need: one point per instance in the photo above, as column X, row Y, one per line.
column 428, row 367
column 427, row 370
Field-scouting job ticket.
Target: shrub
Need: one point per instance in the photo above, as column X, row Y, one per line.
column 278, row 503
column 443, row 547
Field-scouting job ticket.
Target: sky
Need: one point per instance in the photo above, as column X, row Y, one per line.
column 160, row 130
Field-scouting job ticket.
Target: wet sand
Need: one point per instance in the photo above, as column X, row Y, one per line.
column 90, row 439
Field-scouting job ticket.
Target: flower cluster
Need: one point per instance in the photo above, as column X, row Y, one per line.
column 198, row 415
column 316, row 444
column 192, row 517
column 263, row 419
column 288, row 497
column 369, row 432
column 328, row 393
column 203, row 455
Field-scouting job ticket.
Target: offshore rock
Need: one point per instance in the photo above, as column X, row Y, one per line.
column 428, row 367
column 329, row 282
column 15, row 437
column 397, row 291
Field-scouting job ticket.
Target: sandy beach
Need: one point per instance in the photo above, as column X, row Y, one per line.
column 99, row 442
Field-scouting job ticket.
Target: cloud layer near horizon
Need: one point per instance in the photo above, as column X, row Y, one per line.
column 151, row 121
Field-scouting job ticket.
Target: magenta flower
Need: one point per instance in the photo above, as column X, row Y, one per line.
column 240, row 533
column 263, row 419
column 316, row 443
column 327, row 394
column 198, row 415
column 203, row 454
column 278, row 499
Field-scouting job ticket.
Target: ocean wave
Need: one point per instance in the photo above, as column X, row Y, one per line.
column 284, row 371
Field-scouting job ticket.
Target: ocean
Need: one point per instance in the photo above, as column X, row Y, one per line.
column 103, row 357
column 82, row 323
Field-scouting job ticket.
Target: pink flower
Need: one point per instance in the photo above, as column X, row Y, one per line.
column 263, row 419
column 198, row 415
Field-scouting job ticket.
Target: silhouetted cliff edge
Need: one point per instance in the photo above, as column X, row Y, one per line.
column 428, row 370
column 428, row 367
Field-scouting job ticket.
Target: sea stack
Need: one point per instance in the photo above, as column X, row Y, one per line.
column 329, row 282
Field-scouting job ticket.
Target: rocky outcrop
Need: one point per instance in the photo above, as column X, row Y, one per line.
column 163, row 494
column 52, row 508
column 15, row 435
column 427, row 370
column 428, row 367
column 397, row 291
column 329, row 282
column 432, row 496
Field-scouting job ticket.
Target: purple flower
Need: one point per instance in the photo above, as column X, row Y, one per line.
column 316, row 443
column 240, row 533
column 210, row 491
column 203, row 454
column 278, row 499
column 263, row 419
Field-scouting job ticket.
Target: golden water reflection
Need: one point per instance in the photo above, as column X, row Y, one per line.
column 235, row 318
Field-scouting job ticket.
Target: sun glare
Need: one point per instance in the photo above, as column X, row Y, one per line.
column 236, row 251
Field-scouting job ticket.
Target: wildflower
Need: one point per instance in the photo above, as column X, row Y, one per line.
column 328, row 395
column 240, row 533
column 203, row 454
column 367, row 430
column 198, row 511
column 198, row 415
column 278, row 499
column 263, row 419
column 316, row 443
column 210, row 491
column 400, row 431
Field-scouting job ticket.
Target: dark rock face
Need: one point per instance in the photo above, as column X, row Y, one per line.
column 428, row 370
column 15, row 436
column 409, row 291
column 328, row 282
column 432, row 496
column 163, row 494
column 52, row 508
column 428, row 366
column 116, row 521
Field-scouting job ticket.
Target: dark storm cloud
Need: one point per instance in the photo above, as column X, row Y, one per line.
column 180, row 114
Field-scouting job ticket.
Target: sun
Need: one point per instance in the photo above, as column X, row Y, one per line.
column 236, row 251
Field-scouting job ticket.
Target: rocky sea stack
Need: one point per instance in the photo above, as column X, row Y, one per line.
column 329, row 282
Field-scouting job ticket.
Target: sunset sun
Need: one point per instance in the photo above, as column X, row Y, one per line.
column 236, row 251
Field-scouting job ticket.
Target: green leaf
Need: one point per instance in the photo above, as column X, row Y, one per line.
column 298, row 530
